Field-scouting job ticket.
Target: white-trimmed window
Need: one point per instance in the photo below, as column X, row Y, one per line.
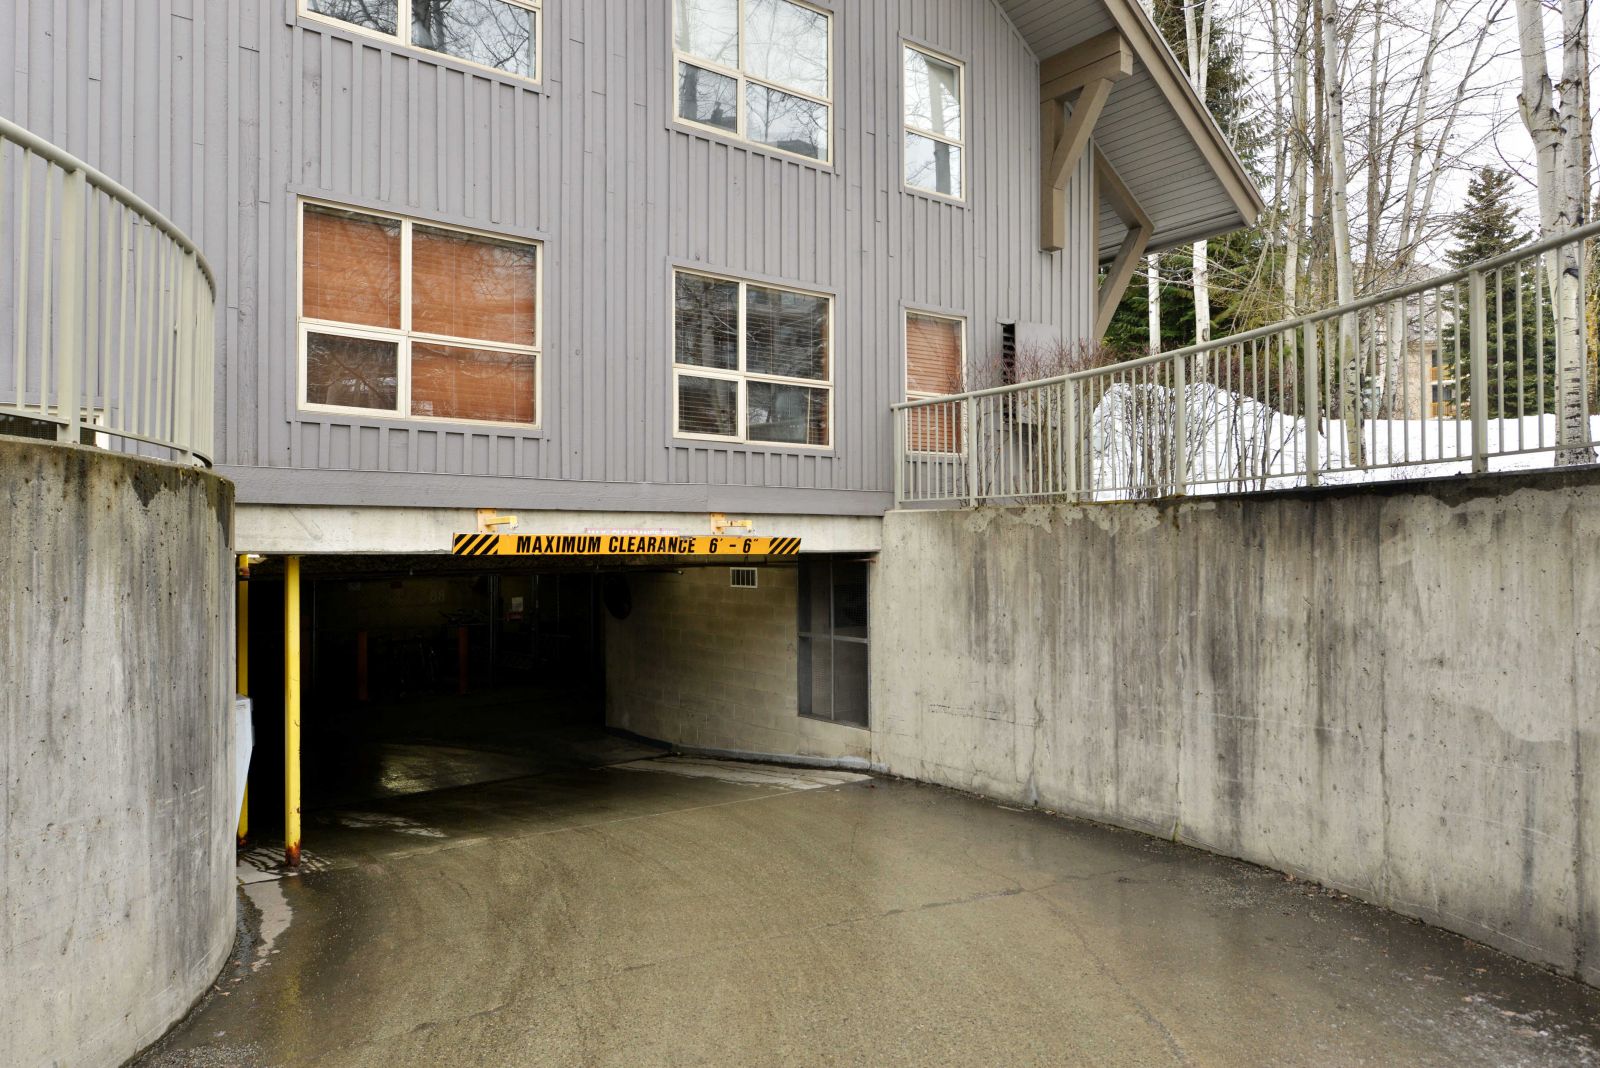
column 935, row 360
column 501, row 35
column 934, row 128
column 417, row 320
column 751, row 362
column 760, row 70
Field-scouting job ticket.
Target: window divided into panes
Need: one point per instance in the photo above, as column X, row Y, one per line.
column 934, row 137
column 416, row 320
column 833, row 639
column 760, row 70
column 751, row 362
column 500, row 35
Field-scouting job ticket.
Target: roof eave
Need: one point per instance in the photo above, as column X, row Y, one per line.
column 1162, row 66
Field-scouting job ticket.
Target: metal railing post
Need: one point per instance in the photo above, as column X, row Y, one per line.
column 69, row 352
column 901, row 417
column 1313, row 406
column 969, row 416
column 184, row 378
column 1180, row 426
column 1069, row 447
column 1479, row 364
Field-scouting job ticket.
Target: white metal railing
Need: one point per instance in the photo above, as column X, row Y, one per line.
column 106, row 310
column 1487, row 368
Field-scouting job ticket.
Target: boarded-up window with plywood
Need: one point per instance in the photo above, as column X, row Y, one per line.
column 935, row 359
column 417, row 320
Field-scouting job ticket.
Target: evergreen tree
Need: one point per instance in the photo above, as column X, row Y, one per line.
column 1487, row 227
column 1232, row 256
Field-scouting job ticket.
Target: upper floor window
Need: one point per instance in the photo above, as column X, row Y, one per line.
column 935, row 360
column 757, row 69
column 751, row 362
column 416, row 320
column 498, row 34
column 933, row 123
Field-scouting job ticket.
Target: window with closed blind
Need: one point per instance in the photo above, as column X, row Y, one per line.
column 412, row 319
column 751, row 362
column 935, row 361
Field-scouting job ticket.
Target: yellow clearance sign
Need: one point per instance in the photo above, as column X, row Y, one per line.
column 620, row 545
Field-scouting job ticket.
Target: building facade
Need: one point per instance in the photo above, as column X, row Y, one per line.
column 622, row 264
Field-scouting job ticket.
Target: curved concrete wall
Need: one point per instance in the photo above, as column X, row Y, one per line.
column 1392, row 690
column 116, row 878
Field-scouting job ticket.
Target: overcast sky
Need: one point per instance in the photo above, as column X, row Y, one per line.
column 1491, row 130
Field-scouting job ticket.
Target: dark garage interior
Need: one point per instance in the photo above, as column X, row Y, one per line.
column 422, row 674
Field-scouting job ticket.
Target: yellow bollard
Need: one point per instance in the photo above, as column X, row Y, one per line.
column 291, row 711
column 241, row 643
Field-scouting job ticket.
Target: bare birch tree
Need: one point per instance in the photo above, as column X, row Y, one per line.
column 1152, row 287
column 1338, row 184
column 1198, row 40
column 1554, row 115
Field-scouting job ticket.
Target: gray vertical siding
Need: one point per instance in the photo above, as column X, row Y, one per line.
column 222, row 112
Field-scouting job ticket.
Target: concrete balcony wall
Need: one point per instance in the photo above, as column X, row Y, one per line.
column 116, row 636
column 1393, row 690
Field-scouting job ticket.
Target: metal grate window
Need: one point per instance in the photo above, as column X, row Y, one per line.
column 833, row 640
column 742, row 578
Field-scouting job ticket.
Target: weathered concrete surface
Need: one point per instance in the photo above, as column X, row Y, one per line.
column 116, row 877
column 615, row 916
column 703, row 665
column 1391, row 690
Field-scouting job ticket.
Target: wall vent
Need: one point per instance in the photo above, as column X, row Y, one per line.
column 742, row 578
column 1008, row 354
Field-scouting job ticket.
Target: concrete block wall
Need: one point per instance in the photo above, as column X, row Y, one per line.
column 702, row 664
column 116, row 759
column 1393, row 690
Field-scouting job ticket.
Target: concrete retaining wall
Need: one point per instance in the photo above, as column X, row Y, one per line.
column 1391, row 690
column 117, row 874
column 701, row 664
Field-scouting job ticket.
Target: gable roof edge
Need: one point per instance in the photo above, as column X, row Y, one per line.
column 1162, row 65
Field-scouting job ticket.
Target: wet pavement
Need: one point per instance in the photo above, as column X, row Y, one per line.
column 689, row 912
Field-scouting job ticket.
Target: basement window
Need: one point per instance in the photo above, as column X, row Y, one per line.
column 833, row 643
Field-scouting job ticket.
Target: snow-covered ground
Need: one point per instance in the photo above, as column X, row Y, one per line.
column 1237, row 443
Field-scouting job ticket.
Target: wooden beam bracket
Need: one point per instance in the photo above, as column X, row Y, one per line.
column 1089, row 70
column 1138, row 224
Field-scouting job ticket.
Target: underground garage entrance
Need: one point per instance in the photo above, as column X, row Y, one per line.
column 425, row 673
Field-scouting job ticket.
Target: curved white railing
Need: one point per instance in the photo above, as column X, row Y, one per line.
column 107, row 328
column 1487, row 368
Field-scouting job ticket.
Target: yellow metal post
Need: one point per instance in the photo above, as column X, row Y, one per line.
column 241, row 628
column 291, row 711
